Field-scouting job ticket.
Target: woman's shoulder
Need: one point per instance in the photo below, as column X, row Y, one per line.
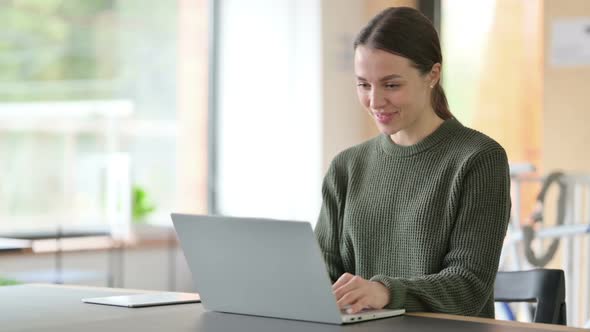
column 471, row 145
column 357, row 154
column 472, row 141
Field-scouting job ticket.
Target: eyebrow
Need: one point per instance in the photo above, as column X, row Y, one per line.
column 384, row 78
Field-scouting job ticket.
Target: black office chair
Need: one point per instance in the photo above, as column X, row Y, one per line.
column 546, row 287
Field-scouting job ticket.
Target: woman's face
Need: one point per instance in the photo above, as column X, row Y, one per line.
column 394, row 92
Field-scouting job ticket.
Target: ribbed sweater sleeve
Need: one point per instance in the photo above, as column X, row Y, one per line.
column 329, row 226
column 466, row 282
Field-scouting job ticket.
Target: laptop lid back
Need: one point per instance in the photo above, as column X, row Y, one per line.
column 257, row 267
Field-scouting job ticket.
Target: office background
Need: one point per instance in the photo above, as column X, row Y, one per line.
column 114, row 113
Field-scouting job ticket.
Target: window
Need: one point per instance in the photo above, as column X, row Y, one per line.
column 268, row 109
column 90, row 96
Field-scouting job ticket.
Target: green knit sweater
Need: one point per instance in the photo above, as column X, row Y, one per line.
column 426, row 220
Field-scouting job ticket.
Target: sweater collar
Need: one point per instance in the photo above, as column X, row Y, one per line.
column 443, row 131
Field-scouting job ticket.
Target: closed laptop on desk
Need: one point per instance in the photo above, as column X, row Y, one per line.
column 261, row 267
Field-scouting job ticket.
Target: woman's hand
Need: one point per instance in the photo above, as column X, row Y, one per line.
column 358, row 293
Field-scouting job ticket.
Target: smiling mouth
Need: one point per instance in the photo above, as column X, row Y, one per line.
column 384, row 117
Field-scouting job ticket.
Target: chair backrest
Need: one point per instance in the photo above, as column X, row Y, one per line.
column 546, row 287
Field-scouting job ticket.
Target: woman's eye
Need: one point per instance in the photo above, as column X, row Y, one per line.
column 363, row 85
column 391, row 85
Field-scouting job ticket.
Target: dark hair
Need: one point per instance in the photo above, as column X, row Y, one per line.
column 406, row 32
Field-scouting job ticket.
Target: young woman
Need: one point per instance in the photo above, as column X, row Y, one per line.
column 415, row 217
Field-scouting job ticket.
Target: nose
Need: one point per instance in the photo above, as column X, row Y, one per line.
column 376, row 99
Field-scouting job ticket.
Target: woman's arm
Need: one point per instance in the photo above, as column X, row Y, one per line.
column 329, row 226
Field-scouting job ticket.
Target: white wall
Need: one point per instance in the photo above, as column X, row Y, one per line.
column 344, row 122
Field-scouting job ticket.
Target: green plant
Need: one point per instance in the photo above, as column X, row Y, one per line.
column 8, row 282
column 141, row 205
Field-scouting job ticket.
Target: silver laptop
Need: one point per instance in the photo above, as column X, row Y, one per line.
column 261, row 267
